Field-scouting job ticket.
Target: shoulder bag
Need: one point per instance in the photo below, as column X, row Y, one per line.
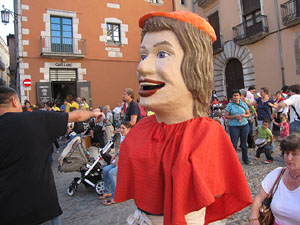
column 265, row 213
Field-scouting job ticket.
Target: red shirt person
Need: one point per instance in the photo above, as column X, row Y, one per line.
column 175, row 163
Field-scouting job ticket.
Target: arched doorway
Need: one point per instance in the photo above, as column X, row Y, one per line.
column 234, row 76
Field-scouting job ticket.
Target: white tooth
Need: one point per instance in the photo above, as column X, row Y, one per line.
column 147, row 84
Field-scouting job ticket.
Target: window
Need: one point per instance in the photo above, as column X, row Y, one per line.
column 183, row 2
column 113, row 33
column 250, row 6
column 154, row 1
column 61, row 34
column 213, row 19
column 252, row 14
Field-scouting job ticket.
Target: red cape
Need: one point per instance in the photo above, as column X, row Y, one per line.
column 180, row 168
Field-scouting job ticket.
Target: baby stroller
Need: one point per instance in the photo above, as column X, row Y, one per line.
column 74, row 159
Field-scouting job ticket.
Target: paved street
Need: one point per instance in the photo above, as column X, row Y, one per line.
column 84, row 208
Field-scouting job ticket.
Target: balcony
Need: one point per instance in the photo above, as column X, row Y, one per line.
column 251, row 31
column 57, row 47
column 290, row 12
column 204, row 3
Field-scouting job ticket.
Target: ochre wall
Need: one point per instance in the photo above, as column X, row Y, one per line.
column 108, row 76
column 265, row 52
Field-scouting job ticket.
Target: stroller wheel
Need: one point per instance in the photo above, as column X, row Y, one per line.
column 70, row 191
column 99, row 187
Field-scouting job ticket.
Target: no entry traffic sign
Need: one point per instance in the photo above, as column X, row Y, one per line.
column 27, row 82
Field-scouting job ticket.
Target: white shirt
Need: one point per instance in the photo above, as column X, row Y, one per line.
column 295, row 101
column 250, row 96
column 117, row 110
column 285, row 204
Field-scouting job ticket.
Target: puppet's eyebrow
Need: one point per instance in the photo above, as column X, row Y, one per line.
column 142, row 47
column 162, row 43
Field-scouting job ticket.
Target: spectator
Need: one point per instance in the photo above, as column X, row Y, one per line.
column 285, row 92
column 108, row 130
column 110, row 171
column 285, row 201
column 25, row 163
column 85, row 105
column 279, row 98
column 74, row 104
column 294, row 103
column 250, row 94
column 66, row 106
column 263, row 132
column 108, row 114
column 284, row 126
column 251, row 118
column 237, row 113
column 264, row 106
column 27, row 107
column 55, row 107
column 133, row 111
column 224, row 102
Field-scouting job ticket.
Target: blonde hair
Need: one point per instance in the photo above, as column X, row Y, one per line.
column 197, row 63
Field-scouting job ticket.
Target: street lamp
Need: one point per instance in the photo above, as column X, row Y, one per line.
column 5, row 20
column 5, row 16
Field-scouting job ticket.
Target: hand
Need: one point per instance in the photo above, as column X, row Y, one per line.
column 254, row 222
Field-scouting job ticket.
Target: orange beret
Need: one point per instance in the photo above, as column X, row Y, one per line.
column 188, row 17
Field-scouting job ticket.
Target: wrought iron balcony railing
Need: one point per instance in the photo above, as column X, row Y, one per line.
column 58, row 47
column 203, row 3
column 251, row 31
column 290, row 12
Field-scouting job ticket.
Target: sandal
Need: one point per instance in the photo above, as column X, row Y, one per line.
column 108, row 202
column 104, row 196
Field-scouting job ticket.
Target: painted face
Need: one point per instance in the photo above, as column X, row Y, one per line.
column 159, row 72
column 292, row 159
column 124, row 130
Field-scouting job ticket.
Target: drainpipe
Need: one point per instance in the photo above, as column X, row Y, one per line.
column 173, row 3
column 279, row 42
column 193, row 5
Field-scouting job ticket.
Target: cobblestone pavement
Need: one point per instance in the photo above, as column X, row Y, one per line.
column 84, row 208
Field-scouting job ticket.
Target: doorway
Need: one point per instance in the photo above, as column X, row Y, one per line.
column 234, row 76
column 63, row 90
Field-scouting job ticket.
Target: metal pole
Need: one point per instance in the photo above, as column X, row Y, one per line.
column 279, row 42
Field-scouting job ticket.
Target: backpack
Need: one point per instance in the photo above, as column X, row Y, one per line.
column 78, row 127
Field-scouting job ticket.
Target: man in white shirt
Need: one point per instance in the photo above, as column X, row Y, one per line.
column 250, row 93
column 294, row 102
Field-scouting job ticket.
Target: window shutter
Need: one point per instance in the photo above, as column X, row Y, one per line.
column 250, row 6
column 213, row 19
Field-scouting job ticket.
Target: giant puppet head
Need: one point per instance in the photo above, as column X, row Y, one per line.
column 176, row 67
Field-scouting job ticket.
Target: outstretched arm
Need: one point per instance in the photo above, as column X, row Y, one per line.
column 82, row 115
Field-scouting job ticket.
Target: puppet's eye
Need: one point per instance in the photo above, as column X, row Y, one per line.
column 143, row 57
column 162, row 54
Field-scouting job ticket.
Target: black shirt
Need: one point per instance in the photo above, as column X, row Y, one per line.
column 133, row 109
column 27, row 189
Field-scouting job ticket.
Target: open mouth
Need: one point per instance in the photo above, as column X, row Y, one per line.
column 149, row 87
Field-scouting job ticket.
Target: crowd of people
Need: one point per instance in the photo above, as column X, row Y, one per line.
column 273, row 118
column 179, row 166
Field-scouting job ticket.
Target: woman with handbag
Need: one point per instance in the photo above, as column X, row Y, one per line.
column 280, row 191
column 237, row 113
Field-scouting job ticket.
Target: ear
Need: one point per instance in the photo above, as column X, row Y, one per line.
column 15, row 101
